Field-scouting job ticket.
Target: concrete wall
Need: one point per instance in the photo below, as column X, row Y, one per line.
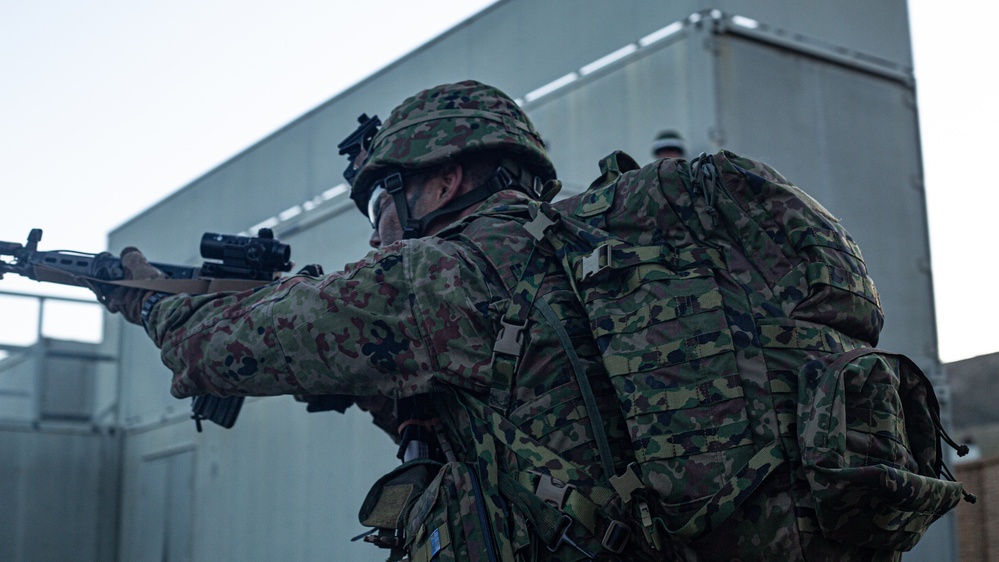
column 59, row 492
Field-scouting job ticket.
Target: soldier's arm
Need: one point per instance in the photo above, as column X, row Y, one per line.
column 385, row 326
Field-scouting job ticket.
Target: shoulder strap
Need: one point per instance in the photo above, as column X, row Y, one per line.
column 589, row 400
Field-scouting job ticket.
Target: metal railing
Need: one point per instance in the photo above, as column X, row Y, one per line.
column 6, row 346
column 46, row 376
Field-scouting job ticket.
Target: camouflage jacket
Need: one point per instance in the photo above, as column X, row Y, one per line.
column 398, row 323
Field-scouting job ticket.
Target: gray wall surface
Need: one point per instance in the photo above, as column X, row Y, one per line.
column 821, row 91
column 58, row 489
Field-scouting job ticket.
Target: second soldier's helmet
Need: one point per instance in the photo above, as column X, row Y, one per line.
column 440, row 123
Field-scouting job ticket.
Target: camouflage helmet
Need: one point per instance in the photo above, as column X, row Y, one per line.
column 440, row 123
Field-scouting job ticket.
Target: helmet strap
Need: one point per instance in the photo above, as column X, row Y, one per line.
column 508, row 175
column 394, row 185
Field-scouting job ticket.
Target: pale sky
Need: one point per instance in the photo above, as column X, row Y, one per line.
column 108, row 106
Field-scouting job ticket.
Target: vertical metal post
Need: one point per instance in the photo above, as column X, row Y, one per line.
column 41, row 317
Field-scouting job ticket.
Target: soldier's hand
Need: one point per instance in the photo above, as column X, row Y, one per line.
column 126, row 300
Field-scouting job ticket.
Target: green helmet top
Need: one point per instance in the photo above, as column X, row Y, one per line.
column 442, row 122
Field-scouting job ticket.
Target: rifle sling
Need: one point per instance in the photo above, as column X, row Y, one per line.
column 197, row 286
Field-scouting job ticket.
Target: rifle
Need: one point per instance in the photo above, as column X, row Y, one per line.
column 239, row 263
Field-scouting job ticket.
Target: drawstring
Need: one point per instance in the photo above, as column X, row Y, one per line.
column 961, row 451
column 968, row 496
column 706, row 174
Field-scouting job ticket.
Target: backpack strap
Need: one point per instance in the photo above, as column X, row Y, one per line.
column 589, row 400
column 512, row 336
column 513, row 333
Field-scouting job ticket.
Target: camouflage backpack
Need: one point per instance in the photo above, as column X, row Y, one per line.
column 736, row 320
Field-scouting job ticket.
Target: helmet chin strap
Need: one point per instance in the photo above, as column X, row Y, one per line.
column 509, row 175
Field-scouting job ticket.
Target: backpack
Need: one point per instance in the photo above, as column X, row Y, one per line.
column 737, row 322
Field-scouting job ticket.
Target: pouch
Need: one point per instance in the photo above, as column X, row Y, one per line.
column 450, row 521
column 391, row 498
column 870, row 445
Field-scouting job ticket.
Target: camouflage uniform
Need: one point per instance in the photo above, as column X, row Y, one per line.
column 398, row 323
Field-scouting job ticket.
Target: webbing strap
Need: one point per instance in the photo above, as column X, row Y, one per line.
column 696, row 347
column 720, row 437
column 826, row 238
column 512, row 338
column 825, row 274
column 589, row 400
column 866, row 420
column 614, row 254
column 656, row 313
column 793, row 334
column 693, row 395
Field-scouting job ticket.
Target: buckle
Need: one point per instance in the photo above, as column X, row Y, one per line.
column 510, row 340
column 626, row 484
column 538, row 225
column 505, row 178
column 616, row 537
column 393, row 183
column 551, row 490
column 598, row 260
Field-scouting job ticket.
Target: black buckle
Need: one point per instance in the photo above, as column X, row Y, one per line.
column 616, row 537
column 505, row 178
column 392, row 183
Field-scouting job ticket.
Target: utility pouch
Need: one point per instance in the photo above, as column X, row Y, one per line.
column 388, row 504
column 869, row 433
column 449, row 521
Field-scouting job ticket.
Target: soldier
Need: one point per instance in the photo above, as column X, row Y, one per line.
column 424, row 315
column 669, row 144
column 466, row 338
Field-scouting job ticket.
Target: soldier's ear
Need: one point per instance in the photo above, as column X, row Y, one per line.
column 449, row 185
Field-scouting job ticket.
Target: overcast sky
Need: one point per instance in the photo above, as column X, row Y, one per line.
column 108, row 106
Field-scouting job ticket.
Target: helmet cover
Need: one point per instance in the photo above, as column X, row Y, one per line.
column 439, row 123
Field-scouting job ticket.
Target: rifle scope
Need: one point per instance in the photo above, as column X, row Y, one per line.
column 243, row 251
